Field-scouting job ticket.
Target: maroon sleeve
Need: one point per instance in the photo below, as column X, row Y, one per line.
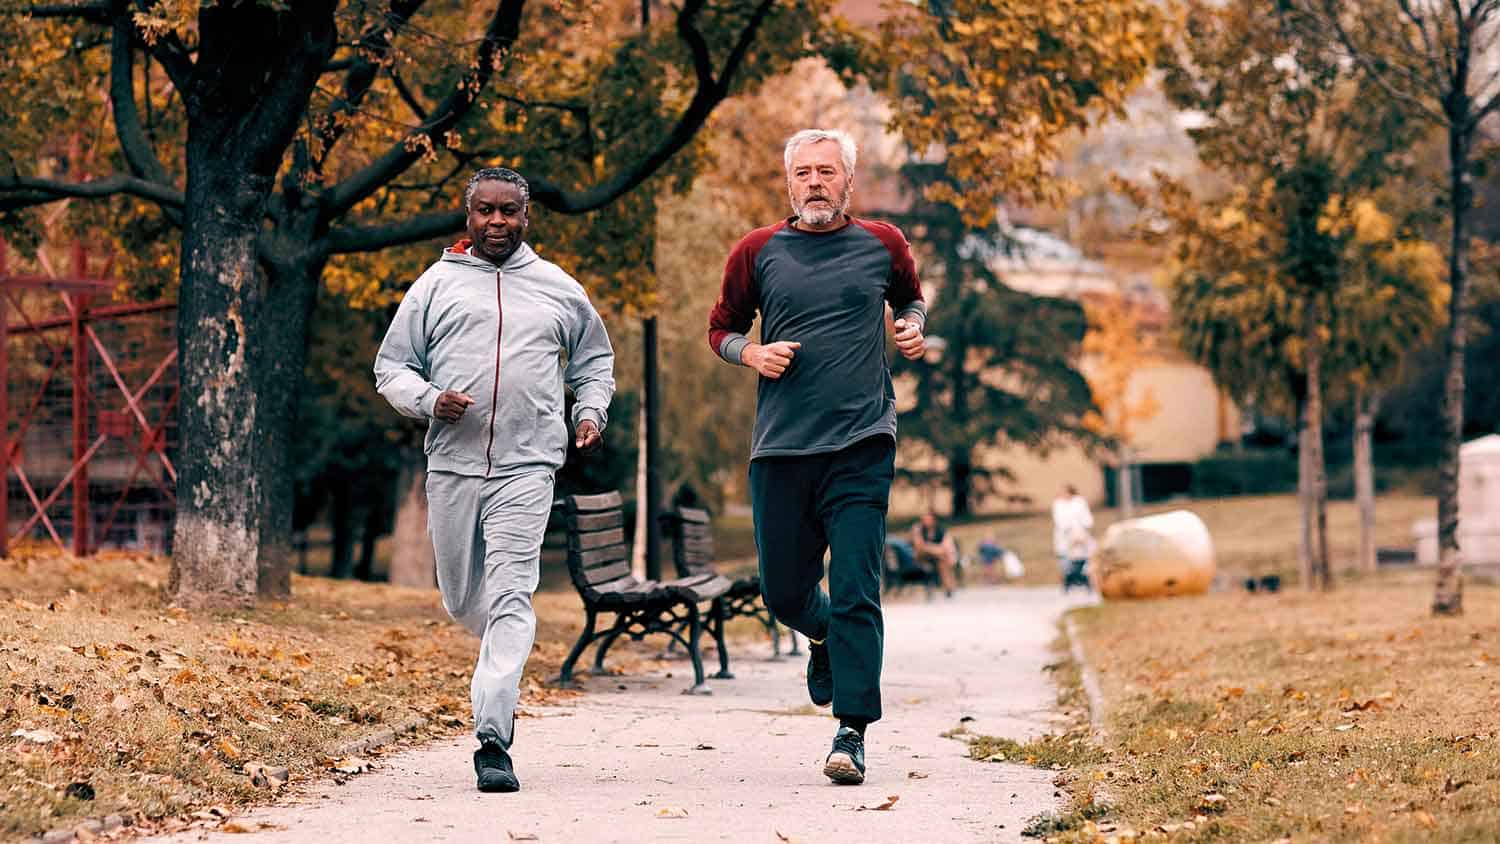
column 905, row 290
column 739, row 296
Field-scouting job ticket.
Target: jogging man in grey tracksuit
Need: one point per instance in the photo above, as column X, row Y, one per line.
column 476, row 349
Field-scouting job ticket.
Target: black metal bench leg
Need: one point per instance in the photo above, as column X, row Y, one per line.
column 605, row 642
column 775, row 630
column 720, row 613
column 695, row 630
column 565, row 677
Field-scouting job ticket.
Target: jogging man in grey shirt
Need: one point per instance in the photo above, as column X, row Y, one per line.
column 824, row 443
column 476, row 349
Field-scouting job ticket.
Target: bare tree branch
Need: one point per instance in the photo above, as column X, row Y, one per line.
column 133, row 140
column 22, row 192
column 373, row 46
column 710, row 93
column 501, row 33
column 1325, row 15
column 368, row 238
column 408, row 96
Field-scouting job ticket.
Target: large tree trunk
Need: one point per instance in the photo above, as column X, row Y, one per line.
column 1448, row 597
column 219, row 517
column 280, row 353
column 412, row 559
column 1365, row 407
column 243, row 109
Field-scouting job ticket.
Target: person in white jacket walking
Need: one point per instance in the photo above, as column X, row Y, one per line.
column 477, row 348
column 1072, row 536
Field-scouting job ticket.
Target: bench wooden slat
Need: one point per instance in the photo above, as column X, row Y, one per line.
column 605, row 574
column 598, row 521
column 693, row 514
column 593, row 503
column 602, row 556
column 598, row 539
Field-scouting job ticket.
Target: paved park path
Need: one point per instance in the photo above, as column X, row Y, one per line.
column 635, row 760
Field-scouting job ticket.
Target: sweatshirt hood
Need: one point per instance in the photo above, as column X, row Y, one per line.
column 458, row 253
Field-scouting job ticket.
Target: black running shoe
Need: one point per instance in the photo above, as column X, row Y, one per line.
column 846, row 764
column 492, row 765
column 819, row 674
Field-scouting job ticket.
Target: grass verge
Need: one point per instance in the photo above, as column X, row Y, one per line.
column 1351, row 716
column 115, row 704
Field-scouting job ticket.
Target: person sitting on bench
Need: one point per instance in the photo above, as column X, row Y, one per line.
column 935, row 548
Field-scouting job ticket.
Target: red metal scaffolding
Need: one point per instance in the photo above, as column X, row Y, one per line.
column 89, row 407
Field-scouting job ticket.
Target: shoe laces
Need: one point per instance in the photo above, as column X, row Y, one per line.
column 819, row 654
column 848, row 740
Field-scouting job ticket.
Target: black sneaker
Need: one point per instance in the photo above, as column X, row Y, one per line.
column 819, row 674
column 492, row 765
column 846, row 764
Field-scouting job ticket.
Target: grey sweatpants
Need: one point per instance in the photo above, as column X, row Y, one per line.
column 487, row 535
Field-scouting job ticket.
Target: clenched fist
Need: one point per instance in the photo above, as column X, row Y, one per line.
column 909, row 340
column 450, row 406
column 770, row 360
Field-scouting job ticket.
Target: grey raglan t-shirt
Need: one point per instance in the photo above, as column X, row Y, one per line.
column 827, row 291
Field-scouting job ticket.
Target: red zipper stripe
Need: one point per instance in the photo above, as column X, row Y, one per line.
column 495, row 394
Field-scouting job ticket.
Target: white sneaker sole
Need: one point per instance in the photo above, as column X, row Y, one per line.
column 840, row 768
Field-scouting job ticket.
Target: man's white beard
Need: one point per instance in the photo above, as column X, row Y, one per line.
column 822, row 215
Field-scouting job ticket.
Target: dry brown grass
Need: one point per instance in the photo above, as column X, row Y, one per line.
column 160, row 711
column 1352, row 716
column 1251, row 534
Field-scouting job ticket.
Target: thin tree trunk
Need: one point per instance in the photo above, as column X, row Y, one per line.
column 341, row 519
column 1448, row 596
column 638, row 537
column 1124, row 486
column 364, row 567
column 1304, row 496
column 960, row 481
column 1321, row 575
column 1366, row 405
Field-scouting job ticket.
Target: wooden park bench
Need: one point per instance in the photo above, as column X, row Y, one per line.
column 693, row 555
column 599, row 565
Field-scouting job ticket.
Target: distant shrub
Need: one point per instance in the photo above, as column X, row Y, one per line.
column 1247, row 473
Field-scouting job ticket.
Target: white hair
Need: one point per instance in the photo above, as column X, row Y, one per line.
column 847, row 150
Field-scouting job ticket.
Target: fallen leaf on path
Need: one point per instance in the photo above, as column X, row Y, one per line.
column 523, row 836
column 351, row 765
column 37, row 736
column 781, row 837
column 916, row 775
column 704, row 747
column 672, row 813
column 883, row 807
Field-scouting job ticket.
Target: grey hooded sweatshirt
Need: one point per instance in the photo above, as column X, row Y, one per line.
column 509, row 337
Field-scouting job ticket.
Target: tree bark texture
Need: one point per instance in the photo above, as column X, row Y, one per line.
column 1448, row 597
column 255, row 72
column 1321, row 576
